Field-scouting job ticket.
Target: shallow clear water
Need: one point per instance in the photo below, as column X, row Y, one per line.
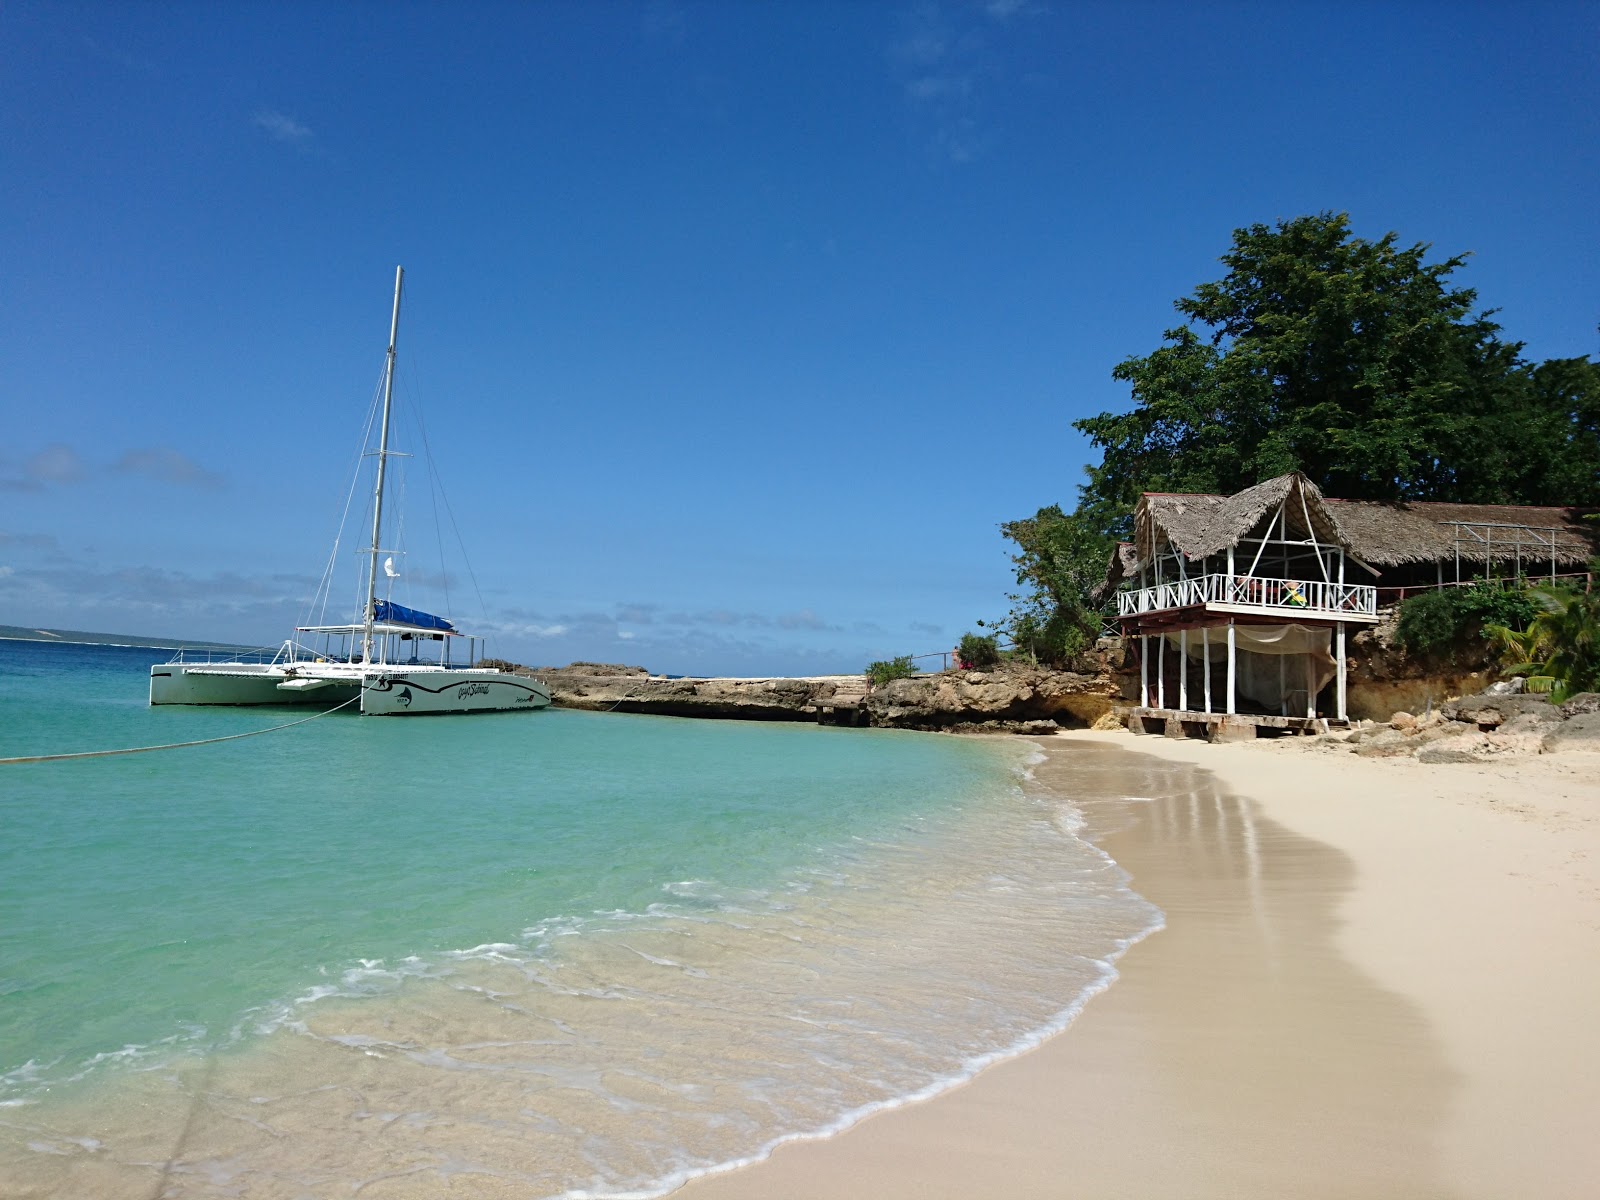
column 553, row 951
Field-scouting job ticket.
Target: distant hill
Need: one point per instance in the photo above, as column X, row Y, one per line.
column 20, row 634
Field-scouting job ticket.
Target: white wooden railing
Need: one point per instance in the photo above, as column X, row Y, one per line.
column 1309, row 595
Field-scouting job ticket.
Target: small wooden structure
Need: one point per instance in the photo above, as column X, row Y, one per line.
column 1241, row 607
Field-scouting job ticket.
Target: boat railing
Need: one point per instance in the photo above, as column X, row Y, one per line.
column 289, row 651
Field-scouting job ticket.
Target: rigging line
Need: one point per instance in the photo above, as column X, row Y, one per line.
column 435, row 489
column 318, row 615
column 39, row 758
column 438, row 492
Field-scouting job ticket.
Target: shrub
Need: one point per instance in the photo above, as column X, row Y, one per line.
column 1051, row 637
column 880, row 673
column 1437, row 624
column 978, row 651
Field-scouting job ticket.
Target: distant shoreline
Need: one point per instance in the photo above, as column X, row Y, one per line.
column 80, row 639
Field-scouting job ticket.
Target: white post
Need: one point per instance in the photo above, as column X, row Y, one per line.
column 1343, row 715
column 1205, row 653
column 1233, row 669
column 1183, row 670
column 1144, row 671
column 1161, row 670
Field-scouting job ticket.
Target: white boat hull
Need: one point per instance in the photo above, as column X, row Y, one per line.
column 413, row 691
column 407, row 691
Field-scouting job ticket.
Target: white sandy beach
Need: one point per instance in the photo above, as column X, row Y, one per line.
column 1378, row 979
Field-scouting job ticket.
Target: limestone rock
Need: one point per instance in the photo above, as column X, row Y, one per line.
column 1490, row 712
column 1458, row 750
column 1015, row 697
column 1538, row 720
column 1578, row 733
column 1386, row 743
column 1403, row 721
column 1583, row 702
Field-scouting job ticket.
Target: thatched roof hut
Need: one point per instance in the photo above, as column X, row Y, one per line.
column 1378, row 533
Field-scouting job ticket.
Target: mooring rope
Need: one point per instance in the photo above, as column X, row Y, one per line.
column 38, row 758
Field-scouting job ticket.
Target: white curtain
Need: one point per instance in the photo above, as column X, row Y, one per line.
column 1277, row 664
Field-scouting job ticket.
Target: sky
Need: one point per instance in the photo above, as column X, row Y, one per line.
column 733, row 331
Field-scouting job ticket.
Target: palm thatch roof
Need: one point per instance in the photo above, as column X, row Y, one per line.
column 1382, row 533
column 1199, row 525
column 1392, row 533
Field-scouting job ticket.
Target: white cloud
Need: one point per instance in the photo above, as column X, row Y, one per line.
column 947, row 63
column 282, row 128
column 169, row 466
column 58, row 463
column 1004, row 10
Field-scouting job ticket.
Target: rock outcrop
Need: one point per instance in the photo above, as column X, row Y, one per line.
column 1012, row 697
column 1480, row 728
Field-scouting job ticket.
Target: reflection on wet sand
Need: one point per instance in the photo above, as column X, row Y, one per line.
column 1239, row 1054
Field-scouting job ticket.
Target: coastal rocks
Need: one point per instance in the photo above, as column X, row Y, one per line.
column 1007, row 694
column 728, row 699
column 1490, row 712
column 1487, row 726
column 1580, row 733
column 1583, row 702
column 1401, row 741
column 1011, row 698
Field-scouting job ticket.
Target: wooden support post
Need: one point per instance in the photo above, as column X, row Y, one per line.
column 1161, row 670
column 1183, row 670
column 1205, row 654
column 1144, row 671
column 1342, row 713
column 1233, row 671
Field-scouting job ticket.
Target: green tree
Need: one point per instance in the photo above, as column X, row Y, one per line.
column 1060, row 559
column 1351, row 360
column 1356, row 362
column 978, row 651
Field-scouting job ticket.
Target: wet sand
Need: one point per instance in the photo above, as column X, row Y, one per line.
column 1378, row 979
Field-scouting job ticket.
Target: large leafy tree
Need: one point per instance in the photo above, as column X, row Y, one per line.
column 1356, row 362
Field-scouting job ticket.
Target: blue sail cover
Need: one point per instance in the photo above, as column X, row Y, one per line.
column 399, row 614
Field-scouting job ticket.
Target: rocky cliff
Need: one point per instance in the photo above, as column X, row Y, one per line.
column 1012, row 696
column 1383, row 680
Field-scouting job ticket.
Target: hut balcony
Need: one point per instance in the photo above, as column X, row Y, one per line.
column 1252, row 595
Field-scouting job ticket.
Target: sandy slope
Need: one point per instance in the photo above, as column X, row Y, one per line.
column 1379, row 978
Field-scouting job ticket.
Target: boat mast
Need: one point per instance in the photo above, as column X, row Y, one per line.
column 383, row 462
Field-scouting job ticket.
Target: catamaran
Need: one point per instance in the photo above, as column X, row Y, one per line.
column 393, row 661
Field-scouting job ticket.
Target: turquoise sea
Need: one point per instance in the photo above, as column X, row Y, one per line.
column 524, row 954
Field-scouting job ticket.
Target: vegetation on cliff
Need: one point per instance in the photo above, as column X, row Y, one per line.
column 1356, row 362
column 1559, row 647
column 888, row 670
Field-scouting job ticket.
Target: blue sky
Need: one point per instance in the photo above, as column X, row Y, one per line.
column 737, row 328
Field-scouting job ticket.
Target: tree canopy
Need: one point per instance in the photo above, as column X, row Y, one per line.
column 1356, row 362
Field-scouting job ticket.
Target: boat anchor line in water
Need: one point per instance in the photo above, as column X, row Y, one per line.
column 373, row 661
column 41, row 758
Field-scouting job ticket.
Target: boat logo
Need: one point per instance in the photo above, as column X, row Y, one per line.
column 472, row 689
column 404, row 698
